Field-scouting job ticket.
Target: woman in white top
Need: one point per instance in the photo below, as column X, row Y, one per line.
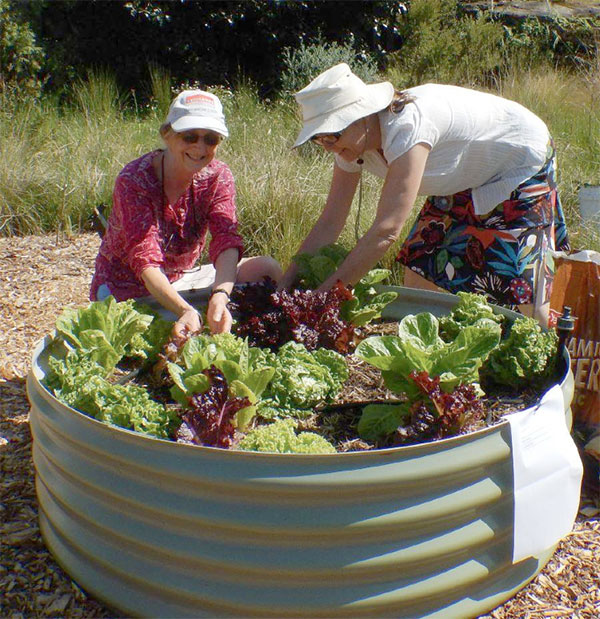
column 486, row 163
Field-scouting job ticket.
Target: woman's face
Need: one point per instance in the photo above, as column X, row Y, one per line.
column 349, row 144
column 194, row 149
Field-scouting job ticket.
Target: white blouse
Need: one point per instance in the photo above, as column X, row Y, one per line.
column 478, row 141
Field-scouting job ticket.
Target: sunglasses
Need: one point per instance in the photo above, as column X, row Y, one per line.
column 326, row 139
column 210, row 139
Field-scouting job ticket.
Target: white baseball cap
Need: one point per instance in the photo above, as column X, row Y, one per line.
column 337, row 98
column 197, row 109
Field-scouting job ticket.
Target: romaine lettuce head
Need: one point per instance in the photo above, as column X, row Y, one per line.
column 314, row 269
column 148, row 344
column 201, row 351
column 239, row 362
column 419, row 348
column 367, row 303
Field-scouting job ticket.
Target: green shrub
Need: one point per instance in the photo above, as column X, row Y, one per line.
column 20, row 56
column 304, row 63
column 556, row 40
column 441, row 45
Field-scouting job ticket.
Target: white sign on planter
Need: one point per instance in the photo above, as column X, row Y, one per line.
column 547, row 476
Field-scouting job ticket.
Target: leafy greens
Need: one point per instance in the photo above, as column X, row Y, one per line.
column 528, row 356
column 280, row 437
column 366, row 303
column 79, row 383
column 419, row 347
column 106, row 331
column 302, row 380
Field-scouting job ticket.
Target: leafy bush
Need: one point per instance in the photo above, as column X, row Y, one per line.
column 555, row 40
column 441, row 45
column 20, row 56
column 303, row 63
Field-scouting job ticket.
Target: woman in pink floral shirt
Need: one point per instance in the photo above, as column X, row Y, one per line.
column 163, row 205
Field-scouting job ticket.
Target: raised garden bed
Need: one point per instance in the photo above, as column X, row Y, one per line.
column 157, row 528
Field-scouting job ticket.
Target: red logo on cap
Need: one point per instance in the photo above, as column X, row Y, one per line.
column 198, row 98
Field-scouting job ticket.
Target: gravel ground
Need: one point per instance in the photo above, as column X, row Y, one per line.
column 41, row 275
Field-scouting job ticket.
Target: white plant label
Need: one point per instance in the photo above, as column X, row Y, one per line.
column 547, row 476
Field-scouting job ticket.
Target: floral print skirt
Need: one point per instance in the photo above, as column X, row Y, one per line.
column 503, row 254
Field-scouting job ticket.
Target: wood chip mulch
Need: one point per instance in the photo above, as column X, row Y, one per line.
column 41, row 275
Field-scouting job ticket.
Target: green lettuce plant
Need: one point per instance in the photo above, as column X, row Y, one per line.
column 79, row 382
column 470, row 309
column 106, row 331
column 302, row 380
column 247, row 370
column 527, row 357
column 280, row 437
column 314, row 269
column 419, row 347
column 379, row 421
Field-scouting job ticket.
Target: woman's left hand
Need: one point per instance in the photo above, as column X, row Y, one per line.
column 218, row 315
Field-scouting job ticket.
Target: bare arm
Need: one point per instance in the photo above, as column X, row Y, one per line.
column 217, row 314
column 395, row 203
column 331, row 222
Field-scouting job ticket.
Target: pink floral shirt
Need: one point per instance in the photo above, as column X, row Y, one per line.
column 135, row 240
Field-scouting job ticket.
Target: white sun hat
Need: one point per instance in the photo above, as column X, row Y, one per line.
column 197, row 109
column 337, row 98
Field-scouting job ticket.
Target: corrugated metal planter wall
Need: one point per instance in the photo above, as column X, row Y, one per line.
column 160, row 529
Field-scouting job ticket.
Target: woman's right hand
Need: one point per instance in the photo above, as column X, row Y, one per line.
column 189, row 323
